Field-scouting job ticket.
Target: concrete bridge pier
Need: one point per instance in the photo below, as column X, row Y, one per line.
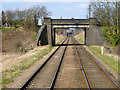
column 53, row 37
column 47, row 21
column 85, row 36
column 50, row 31
column 93, row 33
column 90, row 32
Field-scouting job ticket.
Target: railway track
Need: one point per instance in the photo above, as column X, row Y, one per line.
column 70, row 74
column 70, row 67
column 35, row 80
column 94, row 75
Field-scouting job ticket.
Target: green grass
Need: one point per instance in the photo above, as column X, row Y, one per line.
column 60, row 41
column 109, row 60
column 35, row 37
column 7, row 29
column 6, row 80
column 38, row 28
column 23, row 65
column 80, row 39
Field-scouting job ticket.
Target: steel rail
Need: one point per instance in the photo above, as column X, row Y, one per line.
column 87, row 82
column 102, row 70
column 56, row 73
column 36, row 72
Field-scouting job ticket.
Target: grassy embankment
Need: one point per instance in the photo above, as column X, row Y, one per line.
column 109, row 60
column 25, row 63
column 60, row 41
column 8, row 29
column 9, row 74
column 80, row 37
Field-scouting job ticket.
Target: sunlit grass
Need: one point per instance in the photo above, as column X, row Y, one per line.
column 8, row 29
column 60, row 41
column 109, row 60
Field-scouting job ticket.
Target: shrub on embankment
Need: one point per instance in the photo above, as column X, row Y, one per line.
column 111, row 35
column 17, row 39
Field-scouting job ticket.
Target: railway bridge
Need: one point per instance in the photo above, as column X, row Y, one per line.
column 46, row 35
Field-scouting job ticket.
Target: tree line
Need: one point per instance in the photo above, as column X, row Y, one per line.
column 27, row 18
column 107, row 16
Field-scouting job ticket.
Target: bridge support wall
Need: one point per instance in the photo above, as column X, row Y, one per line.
column 93, row 34
column 47, row 21
column 42, row 37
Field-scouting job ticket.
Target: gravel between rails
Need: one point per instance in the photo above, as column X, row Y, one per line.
column 70, row 75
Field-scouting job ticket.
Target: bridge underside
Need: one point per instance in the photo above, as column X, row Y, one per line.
column 93, row 37
column 70, row 26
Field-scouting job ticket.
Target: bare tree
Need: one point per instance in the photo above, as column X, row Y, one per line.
column 89, row 10
column 32, row 15
column 106, row 14
column 10, row 16
column 27, row 18
column 119, row 17
column 3, row 18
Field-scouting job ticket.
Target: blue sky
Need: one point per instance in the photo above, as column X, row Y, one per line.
column 58, row 9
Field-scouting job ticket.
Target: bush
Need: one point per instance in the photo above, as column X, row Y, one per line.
column 111, row 36
column 16, row 26
column 104, row 31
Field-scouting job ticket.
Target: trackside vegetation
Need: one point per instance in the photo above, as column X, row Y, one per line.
column 25, row 63
column 107, row 17
column 109, row 60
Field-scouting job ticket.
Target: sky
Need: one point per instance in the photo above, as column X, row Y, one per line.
column 77, row 10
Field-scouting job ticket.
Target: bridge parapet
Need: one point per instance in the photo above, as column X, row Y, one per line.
column 70, row 21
